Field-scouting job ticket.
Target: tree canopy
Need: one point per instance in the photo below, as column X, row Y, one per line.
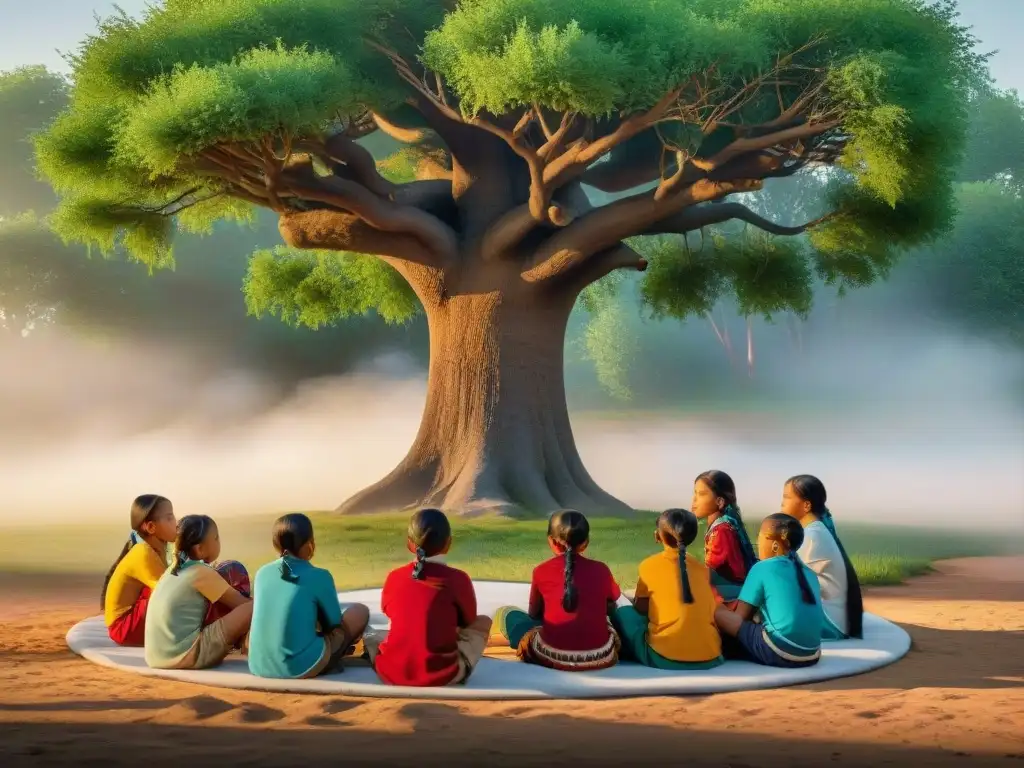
column 203, row 109
column 30, row 98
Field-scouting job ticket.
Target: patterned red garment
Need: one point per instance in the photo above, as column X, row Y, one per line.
column 234, row 573
column 723, row 554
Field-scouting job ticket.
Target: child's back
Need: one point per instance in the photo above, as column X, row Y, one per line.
column 793, row 624
column 586, row 627
column 678, row 630
column 422, row 645
column 283, row 641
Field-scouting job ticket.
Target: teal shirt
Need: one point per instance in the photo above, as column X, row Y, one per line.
column 772, row 588
column 283, row 641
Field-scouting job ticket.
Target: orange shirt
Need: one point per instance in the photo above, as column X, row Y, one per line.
column 676, row 630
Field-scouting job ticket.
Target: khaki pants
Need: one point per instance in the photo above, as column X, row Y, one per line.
column 335, row 644
column 209, row 649
column 471, row 645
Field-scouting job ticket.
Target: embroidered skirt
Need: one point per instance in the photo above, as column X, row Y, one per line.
column 534, row 650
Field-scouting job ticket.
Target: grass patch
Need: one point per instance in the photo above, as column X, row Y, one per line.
column 360, row 551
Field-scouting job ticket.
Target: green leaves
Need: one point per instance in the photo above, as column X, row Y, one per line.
column 317, row 288
column 264, row 92
column 687, row 276
column 589, row 56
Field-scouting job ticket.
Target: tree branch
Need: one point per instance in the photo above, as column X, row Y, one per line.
column 697, row 217
column 341, row 149
column 382, row 215
column 573, row 163
column 754, row 143
column 338, row 231
column 603, row 227
column 619, row 256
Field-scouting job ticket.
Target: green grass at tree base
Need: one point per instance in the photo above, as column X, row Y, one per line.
column 360, row 551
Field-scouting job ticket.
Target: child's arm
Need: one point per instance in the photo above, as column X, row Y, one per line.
column 614, row 593
column 724, row 554
column 327, row 601
column 642, row 596
column 465, row 600
column 536, row 607
column 216, row 589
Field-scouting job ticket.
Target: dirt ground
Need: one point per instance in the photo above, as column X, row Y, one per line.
column 956, row 699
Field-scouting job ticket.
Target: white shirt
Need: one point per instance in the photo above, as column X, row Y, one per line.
column 821, row 554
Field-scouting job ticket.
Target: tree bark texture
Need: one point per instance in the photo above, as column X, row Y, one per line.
column 495, row 435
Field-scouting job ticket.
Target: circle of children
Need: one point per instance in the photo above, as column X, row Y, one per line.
column 771, row 603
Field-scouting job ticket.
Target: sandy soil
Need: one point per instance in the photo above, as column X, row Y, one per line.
column 957, row 699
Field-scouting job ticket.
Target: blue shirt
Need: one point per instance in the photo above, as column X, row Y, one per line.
column 772, row 588
column 283, row 641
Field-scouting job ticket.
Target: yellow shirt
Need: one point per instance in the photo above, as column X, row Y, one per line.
column 141, row 567
column 677, row 630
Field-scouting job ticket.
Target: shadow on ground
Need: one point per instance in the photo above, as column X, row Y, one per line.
column 455, row 739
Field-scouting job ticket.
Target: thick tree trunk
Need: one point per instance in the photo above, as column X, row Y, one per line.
column 495, row 434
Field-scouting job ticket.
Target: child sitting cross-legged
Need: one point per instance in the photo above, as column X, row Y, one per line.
column 671, row 624
column 567, row 624
column 298, row 627
column 436, row 637
column 181, row 632
column 785, row 593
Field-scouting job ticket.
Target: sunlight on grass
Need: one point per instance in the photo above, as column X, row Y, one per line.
column 360, row 551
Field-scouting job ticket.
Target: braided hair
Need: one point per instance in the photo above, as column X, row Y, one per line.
column 192, row 530
column 722, row 486
column 291, row 533
column 428, row 532
column 143, row 509
column 810, row 489
column 786, row 529
column 570, row 530
column 678, row 528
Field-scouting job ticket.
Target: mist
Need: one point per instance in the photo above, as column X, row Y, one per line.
column 906, row 420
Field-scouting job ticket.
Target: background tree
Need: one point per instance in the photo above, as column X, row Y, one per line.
column 196, row 307
column 30, row 98
column 509, row 111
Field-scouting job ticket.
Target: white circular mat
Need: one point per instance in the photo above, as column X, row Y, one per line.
column 883, row 643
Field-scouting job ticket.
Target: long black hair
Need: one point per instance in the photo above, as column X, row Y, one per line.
column 192, row 529
column 429, row 530
column 571, row 530
column 678, row 528
column 722, row 486
column 143, row 509
column 810, row 489
column 291, row 533
column 785, row 528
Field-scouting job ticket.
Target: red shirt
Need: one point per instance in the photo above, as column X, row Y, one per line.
column 426, row 614
column 586, row 628
column 724, row 553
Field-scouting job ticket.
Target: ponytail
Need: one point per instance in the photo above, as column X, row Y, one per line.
column 854, row 598
column 106, row 579
column 180, row 558
column 569, row 594
column 677, row 528
column 417, row 569
column 801, row 577
column 287, row 572
column 687, row 593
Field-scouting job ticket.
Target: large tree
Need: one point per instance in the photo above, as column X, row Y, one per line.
column 510, row 113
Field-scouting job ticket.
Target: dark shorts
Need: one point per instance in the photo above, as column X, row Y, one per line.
column 632, row 628
column 751, row 645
